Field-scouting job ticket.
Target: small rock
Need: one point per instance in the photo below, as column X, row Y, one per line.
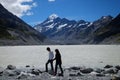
column 98, row 70
column 110, row 71
column 1, row 71
column 51, row 72
column 60, row 74
column 101, row 61
column 75, row 68
column 115, row 78
column 22, row 75
column 100, row 75
column 118, row 73
column 9, row 73
column 45, row 76
column 17, row 71
column 108, row 66
column 117, row 67
column 88, row 70
column 35, row 71
column 27, row 66
column 94, row 73
column 11, row 67
column 79, row 74
column 73, row 74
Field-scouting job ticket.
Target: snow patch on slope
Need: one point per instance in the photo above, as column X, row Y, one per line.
column 90, row 24
column 52, row 25
column 61, row 26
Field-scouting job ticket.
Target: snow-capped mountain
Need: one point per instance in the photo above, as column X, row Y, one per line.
column 54, row 24
column 64, row 31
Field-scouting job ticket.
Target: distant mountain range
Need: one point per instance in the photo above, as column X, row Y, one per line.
column 105, row 30
column 56, row 30
column 14, row 31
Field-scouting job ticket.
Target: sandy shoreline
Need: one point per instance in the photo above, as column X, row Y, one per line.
column 108, row 72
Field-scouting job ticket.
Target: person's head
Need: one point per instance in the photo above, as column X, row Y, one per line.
column 57, row 51
column 48, row 49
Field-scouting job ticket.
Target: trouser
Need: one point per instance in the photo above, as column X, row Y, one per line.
column 56, row 65
column 51, row 62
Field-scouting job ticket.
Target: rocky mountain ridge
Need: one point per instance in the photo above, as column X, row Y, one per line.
column 14, row 31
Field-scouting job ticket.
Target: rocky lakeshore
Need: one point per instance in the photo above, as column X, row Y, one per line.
column 108, row 72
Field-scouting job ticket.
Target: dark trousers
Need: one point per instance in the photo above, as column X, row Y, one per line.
column 51, row 62
column 56, row 65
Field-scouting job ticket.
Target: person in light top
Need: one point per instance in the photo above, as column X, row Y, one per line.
column 50, row 60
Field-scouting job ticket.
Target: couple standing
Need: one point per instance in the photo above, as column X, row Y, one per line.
column 51, row 59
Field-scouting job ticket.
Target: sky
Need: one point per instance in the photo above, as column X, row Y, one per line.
column 36, row 11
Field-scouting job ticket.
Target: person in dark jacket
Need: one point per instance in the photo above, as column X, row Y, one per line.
column 58, row 62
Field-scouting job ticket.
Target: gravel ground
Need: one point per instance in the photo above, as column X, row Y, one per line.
column 73, row 73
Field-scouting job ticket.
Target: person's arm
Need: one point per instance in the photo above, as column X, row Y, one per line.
column 54, row 58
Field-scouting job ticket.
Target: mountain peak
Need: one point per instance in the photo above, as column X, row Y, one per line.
column 53, row 16
column 107, row 17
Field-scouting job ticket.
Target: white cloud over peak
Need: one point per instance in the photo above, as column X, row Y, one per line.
column 51, row 0
column 18, row 8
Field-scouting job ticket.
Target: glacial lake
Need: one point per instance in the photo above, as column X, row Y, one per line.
column 72, row 55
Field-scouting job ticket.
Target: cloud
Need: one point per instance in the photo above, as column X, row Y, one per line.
column 18, row 8
column 29, row 13
column 34, row 4
column 51, row 0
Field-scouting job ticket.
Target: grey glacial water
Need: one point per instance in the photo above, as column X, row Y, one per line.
column 72, row 55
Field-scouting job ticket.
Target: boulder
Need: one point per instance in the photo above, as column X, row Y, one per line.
column 87, row 70
column 11, row 67
column 108, row 66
